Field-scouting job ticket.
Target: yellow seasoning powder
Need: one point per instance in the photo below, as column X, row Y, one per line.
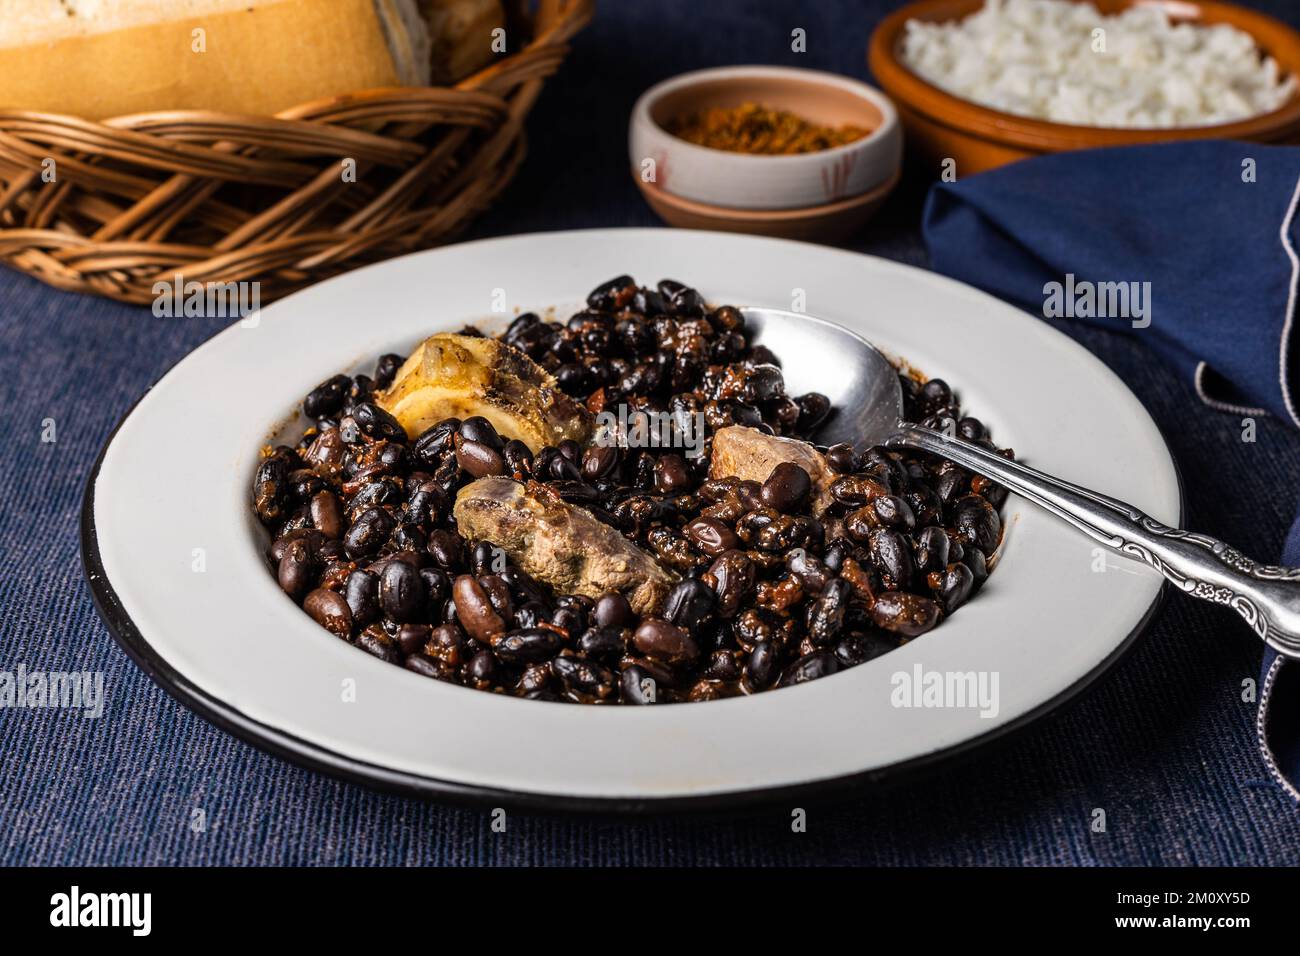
column 752, row 128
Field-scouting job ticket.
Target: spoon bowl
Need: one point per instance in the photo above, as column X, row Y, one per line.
column 819, row 356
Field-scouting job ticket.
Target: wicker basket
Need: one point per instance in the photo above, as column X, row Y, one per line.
column 216, row 197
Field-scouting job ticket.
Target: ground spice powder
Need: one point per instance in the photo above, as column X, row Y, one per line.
column 752, row 128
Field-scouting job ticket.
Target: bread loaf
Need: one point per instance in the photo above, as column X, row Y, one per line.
column 462, row 36
column 104, row 58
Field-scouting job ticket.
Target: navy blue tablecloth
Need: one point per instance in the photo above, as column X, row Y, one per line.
column 1164, row 744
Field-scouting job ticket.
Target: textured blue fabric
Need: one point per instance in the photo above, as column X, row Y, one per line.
column 1218, row 280
column 1193, row 228
column 1164, row 744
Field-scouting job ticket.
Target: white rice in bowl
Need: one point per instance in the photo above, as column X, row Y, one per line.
column 1065, row 62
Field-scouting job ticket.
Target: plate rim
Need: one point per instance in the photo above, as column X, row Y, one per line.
column 322, row 759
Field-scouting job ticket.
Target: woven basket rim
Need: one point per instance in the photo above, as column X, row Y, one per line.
column 145, row 196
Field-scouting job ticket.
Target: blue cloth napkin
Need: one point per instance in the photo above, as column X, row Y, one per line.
column 1190, row 247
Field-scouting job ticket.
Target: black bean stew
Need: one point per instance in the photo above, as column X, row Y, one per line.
column 769, row 594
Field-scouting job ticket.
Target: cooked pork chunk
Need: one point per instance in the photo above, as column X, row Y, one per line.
column 463, row 375
column 558, row 543
column 750, row 455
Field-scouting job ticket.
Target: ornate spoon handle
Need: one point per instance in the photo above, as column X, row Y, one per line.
column 1267, row 597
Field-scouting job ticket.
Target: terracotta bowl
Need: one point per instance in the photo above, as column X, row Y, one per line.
column 717, row 189
column 942, row 126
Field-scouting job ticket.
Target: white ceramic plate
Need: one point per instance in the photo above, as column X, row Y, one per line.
column 172, row 486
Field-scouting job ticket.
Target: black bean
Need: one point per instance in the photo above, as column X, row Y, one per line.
column 761, row 666
column 315, row 541
column 903, row 613
column 561, row 469
column 368, row 533
column 758, row 625
column 894, row 512
column 768, row 530
column 327, row 514
column 599, row 461
column 686, row 302
column 689, row 604
column 479, row 429
column 951, row 485
column 826, row 614
column 671, row 474
column 952, row 586
column 932, row 549
column 649, row 302
column 446, row 643
column 271, row 488
column 327, row 397
column 570, row 620
column 606, row 644
column 891, row 556
column 435, row 441
column 857, row 490
column 840, row 458
column 584, row 680
column 330, row 611
column 974, row 559
column 977, row 523
column 523, row 587
column 810, row 570
column 305, row 483
column 710, row 536
column 810, row 667
column 613, row 610
column 859, row 648
column 427, row 503
column 666, row 642
column 723, row 666
column 481, row 668
column 786, row 488
column 478, row 459
column 474, row 609
column 518, row 458
column 447, row 549
column 530, row 614
column 526, row 646
column 814, row 408
column 971, row 429
column 374, row 640
column 402, row 593
column 386, row 369
column 576, row 492
column 436, row 586
column 412, row 637
column 638, row 686
column 936, row 393
column 613, row 294
column 425, row 666
column 377, row 423
column 763, row 383
column 362, row 596
column 482, row 557
column 732, row 578
column 379, row 491
column 295, row 570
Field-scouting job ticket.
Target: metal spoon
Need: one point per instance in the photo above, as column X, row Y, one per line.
column 862, row 384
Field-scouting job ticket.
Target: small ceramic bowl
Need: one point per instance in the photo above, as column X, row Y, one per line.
column 829, row 222
column 941, row 126
column 724, row 180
